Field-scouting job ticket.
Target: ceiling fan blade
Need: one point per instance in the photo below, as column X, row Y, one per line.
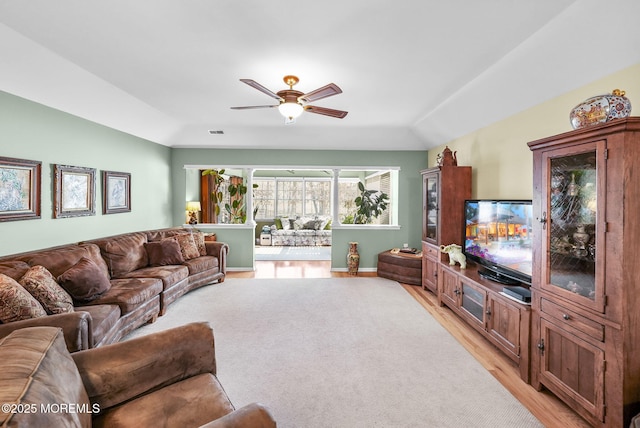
column 251, row 107
column 262, row 89
column 320, row 93
column 340, row 114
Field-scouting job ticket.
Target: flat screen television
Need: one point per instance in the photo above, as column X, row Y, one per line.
column 498, row 239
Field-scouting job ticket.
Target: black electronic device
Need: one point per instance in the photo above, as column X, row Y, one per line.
column 518, row 293
column 498, row 239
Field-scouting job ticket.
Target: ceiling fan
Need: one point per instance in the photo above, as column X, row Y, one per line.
column 293, row 103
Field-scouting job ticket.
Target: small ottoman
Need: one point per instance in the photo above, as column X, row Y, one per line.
column 401, row 267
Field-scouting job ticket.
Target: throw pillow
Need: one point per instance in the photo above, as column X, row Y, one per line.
column 278, row 223
column 16, row 303
column 39, row 282
column 188, row 247
column 85, row 281
column 165, row 252
column 198, row 238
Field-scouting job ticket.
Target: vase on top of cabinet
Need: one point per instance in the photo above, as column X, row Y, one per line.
column 444, row 190
column 585, row 336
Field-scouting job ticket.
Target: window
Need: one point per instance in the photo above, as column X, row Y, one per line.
column 291, row 197
column 263, row 197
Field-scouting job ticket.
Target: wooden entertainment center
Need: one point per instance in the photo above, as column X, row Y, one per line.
column 580, row 336
column 503, row 321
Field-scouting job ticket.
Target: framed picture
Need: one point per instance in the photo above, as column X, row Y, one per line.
column 74, row 192
column 19, row 189
column 116, row 192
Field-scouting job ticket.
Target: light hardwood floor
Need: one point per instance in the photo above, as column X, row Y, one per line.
column 546, row 407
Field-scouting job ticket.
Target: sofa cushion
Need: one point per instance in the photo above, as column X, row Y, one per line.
column 39, row 282
column 16, row 303
column 58, row 260
column 170, row 275
column 84, row 281
column 14, row 268
column 201, row 264
column 129, row 293
column 124, row 253
column 41, row 373
column 188, row 247
column 191, row 402
column 164, row 252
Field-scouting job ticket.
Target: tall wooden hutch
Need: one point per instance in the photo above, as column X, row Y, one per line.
column 585, row 336
column 444, row 190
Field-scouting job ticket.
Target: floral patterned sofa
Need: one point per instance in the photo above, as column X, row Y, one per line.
column 301, row 231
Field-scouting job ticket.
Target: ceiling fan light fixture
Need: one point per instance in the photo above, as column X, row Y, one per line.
column 290, row 110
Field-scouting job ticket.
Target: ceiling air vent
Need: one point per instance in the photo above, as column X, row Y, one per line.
column 214, row 132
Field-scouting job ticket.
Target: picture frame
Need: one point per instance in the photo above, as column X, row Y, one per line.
column 74, row 191
column 116, row 192
column 20, row 189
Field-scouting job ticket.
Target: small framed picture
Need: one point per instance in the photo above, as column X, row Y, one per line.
column 74, row 191
column 19, row 189
column 116, row 192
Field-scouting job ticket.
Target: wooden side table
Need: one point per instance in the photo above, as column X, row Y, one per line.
column 401, row 267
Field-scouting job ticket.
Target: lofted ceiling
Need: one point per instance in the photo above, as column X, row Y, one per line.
column 414, row 74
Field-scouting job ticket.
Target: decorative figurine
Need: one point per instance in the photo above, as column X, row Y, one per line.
column 455, row 255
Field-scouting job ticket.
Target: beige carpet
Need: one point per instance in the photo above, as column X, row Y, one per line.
column 343, row 352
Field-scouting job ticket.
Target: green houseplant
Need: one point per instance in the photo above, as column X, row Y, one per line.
column 237, row 206
column 370, row 203
column 216, row 193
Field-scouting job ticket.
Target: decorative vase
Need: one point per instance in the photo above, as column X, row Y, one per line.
column 600, row 109
column 448, row 158
column 353, row 258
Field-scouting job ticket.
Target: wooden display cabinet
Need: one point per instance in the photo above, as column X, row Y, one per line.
column 444, row 190
column 503, row 321
column 585, row 282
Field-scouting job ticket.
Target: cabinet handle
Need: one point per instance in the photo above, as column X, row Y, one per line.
column 566, row 317
column 541, row 346
column 488, row 312
column 543, row 220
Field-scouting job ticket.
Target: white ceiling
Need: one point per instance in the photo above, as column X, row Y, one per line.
column 414, row 74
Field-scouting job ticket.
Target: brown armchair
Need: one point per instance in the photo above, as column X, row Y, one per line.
column 164, row 379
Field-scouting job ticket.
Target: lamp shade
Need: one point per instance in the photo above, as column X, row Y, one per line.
column 290, row 110
column 193, row 206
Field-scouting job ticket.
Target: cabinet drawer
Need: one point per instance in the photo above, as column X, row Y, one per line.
column 430, row 250
column 572, row 319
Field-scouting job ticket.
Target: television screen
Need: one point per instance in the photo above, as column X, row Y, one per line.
column 498, row 237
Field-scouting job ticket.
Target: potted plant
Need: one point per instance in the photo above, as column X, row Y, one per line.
column 370, row 203
column 216, row 193
column 237, row 206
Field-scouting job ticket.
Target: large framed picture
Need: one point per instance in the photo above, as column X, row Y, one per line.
column 74, row 191
column 19, row 189
column 116, row 192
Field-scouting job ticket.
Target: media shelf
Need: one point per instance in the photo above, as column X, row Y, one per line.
column 502, row 320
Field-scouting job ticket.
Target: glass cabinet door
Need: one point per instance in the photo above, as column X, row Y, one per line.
column 573, row 224
column 431, row 208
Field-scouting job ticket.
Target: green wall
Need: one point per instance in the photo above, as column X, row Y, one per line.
column 501, row 160
column 32, row 131
column 371, row 241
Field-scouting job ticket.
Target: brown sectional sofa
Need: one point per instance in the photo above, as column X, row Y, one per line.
column 139, row 290
column 162, row 379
